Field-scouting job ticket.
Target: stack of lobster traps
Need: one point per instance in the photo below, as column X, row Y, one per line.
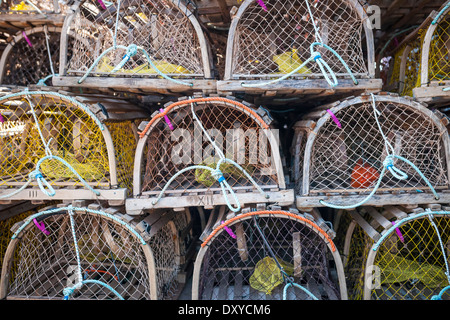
column 147, row 153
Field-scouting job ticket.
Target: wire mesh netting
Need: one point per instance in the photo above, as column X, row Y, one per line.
column 162, row 28
column 71, row 134
column 410, row 262
column 165, row 245
column 239, row 262
column 29, row 61
column 278, row 40
column 350, row 158
column 46, row 264
column 235, row 131
column 438, row 60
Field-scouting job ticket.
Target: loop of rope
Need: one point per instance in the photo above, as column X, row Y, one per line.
column 138, row 48
column 216, row 173
column 388, row 165
column 298, row 286
column 315, row 56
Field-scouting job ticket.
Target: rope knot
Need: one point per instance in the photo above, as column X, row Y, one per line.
column 35, row 174
column 316, row 55
column 388, row 162
column 218, row 175
column 132, row 50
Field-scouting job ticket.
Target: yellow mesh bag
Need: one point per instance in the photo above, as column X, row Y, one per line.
column 204, row 176
column 105, row 66
column 267, row 275
column 289, row 61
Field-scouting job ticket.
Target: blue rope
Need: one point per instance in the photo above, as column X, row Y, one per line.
column 298, row 286
column 439, row 296
column 36, row 174
column 435, row 20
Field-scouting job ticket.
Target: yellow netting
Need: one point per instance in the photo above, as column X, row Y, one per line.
column 414, row 267
column 356, row 262
column 396, row 63
column 72, row 135
column 438, row 61
column 412, row 67
column 125, row 142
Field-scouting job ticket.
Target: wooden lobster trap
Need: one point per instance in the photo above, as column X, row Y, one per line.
column 373, row 150
column 396, row 253
column 92, row 253
column 284, row 47
column 146, row 46
column 31, row 57
column 268, row 255
column 53, row 143
column 20, row 14
column 197, row 151
column 435, row 74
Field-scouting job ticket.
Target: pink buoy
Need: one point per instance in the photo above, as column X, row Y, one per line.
column 262, row 4
column 167, row 120
column 399, row 234
column 230, row 232
column 102, row 4
column 335, row 119
column 27, row 39
column 41, row 226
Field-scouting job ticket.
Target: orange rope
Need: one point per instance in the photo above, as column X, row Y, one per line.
column 178, row 103
column 292, row 215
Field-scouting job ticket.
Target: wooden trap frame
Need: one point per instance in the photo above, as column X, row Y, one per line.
column 56, row 141
column 341, row 157
column 153, row 46
column 268, row 255
column 29, row 58
column 20, row 14
column 181, row 140
column 435, row 74
column 266, row 43
column 118, row 257
column 398, row 253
